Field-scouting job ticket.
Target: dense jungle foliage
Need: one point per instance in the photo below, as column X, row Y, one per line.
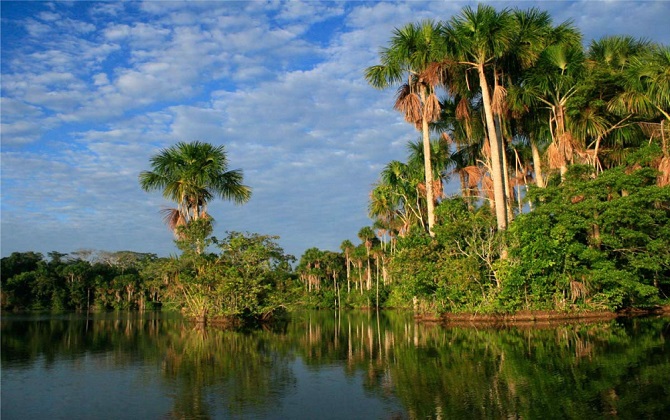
column 561, row 151
column 590, row 243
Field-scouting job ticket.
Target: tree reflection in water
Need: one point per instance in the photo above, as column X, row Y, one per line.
column 353, row 364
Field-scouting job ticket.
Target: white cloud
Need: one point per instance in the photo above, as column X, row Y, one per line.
column 86, row 103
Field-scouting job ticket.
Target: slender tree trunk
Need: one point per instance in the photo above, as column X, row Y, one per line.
column 509, row 192
column 496, row 155
column 348, row 274
column 360, row 278
column 537, row 165
column 427, row 166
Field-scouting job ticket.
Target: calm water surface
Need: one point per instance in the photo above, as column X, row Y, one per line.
column 326, row 365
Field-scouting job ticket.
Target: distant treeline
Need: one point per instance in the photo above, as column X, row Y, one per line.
column 79, row 281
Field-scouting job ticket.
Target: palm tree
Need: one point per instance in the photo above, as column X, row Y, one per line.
column 191, row 175
column 440, row 160
column 460, row 129
column 554, row 82
column 347, row 248
column 415, row 53
column 478, row 38
column 653, row 75
column 367, row 236
column 608, row 61
column 383, row 209
column 399, row 190
column 648, row 85
column 534, row 33
column 648, row 93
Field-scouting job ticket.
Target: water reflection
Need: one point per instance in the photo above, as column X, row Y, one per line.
column 332, row 365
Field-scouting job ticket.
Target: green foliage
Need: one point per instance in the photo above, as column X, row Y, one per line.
column 413, row 269
column 454, row 271
column 255, row 274
column 601, row 243
column 111, row 280
column 191, row 175
column 250, row 278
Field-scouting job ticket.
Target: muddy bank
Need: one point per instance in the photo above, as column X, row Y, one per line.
column 536, row 318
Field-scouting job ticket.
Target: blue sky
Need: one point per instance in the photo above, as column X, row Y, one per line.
column 91, row 90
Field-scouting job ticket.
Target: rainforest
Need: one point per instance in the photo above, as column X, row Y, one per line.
column 560, row 148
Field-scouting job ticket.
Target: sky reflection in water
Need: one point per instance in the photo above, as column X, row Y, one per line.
column 327, row 365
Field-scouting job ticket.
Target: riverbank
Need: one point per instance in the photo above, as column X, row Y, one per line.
column 537, row 318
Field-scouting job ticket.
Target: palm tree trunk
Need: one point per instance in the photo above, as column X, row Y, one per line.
column 496, row 161
column 509, row 191
column 537, row 165
column 427, row 166
column 348, row 274
column 561, row 137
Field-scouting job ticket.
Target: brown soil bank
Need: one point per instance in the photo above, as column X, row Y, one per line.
column 537, row 318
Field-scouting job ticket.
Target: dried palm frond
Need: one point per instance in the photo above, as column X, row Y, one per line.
column 587, row 157
column 463, row 110
column 421, row 188
column 474, row 175
column 566, row 146
column 437, row 189
column 432, row 108
column 650, row 129
column 499, row 103
column 409, row 104
column 554, row 156
column 173, row 218
column 446, row 137
column 432, row 75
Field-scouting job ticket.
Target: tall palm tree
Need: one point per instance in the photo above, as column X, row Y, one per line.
column 554, row 82
column 648, row 84
column 191, row 175
column 412, row 61
column 347, row 248
column 399, row 190
column 367, row 236
column 477, row 38
column 608, row 61
column 648, row 94
column 534, row 33
column 465, row 133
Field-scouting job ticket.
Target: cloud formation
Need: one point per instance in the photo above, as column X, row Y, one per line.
column 90, row 90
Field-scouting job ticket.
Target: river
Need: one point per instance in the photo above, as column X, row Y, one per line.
column 330, row 365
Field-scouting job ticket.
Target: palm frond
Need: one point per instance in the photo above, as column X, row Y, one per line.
column 432, row 108
column 409, row 104
column 173, row 218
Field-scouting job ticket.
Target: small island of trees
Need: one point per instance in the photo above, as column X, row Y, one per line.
column 561, row 152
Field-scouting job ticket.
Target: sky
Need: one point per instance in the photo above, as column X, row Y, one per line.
column 91, row 90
